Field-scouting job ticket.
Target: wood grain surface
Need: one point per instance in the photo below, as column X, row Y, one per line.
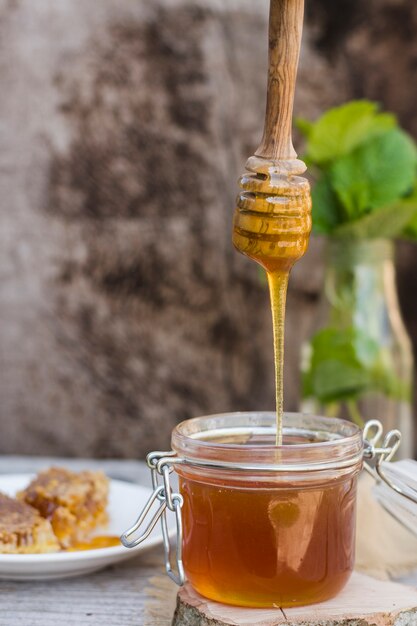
column 364, row 602
column 285, row 30
column 113, row 597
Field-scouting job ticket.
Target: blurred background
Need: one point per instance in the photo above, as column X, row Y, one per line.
column 124, row 127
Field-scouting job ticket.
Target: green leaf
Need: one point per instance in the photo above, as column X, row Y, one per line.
column 388, row 222
column 376, row 174
column 342, row 129
column 326, row 208
column 345, row 364
column 337, row 370
column 335, row 380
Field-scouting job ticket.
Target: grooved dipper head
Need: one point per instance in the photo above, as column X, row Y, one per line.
column 272, row 221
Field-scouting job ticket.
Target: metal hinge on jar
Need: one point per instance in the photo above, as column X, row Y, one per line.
column 167, row 501
column 373, row 435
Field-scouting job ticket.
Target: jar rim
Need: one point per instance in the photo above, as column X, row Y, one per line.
column 209, row 441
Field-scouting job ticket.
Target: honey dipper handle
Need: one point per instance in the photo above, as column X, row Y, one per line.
column 285, row 30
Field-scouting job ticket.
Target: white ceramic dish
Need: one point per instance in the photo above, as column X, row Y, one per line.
column 125, row 503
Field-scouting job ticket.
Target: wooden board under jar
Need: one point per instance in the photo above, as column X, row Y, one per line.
column 364, row 602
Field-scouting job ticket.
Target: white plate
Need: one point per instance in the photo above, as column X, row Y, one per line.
column 126, row 500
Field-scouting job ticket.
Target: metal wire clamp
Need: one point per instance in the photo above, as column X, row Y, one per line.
column 373, row 434
column 165, row 500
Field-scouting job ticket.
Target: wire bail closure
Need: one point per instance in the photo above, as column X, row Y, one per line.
column 161, row 464
column 372, row 435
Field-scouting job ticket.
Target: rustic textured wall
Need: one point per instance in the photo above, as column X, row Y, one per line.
column 124, row 126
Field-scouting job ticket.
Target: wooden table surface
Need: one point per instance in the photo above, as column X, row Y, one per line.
column 112, row 597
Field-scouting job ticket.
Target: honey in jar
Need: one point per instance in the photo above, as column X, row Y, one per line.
column 268, row 526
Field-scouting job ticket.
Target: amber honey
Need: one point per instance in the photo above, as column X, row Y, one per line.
column 257, row 545
column 257, row 536
column 96, row 543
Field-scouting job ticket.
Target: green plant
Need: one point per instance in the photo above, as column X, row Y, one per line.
column 365, row 187
column 365, row 171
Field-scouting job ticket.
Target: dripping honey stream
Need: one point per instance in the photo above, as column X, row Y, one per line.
column 278, row 285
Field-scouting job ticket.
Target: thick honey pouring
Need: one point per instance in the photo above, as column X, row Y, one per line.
column 272, row 224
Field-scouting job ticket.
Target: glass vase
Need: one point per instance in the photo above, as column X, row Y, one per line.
column 358, row 364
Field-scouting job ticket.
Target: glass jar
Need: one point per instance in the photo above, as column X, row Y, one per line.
column 268, row 526
column 359, row 365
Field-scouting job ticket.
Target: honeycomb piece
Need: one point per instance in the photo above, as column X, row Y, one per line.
column 74, row 503
column 23, row 530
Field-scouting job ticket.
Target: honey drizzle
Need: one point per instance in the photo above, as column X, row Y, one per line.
column 278, row 283
column 96, row 543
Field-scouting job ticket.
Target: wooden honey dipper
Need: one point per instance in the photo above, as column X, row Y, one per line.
column 272, row 220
